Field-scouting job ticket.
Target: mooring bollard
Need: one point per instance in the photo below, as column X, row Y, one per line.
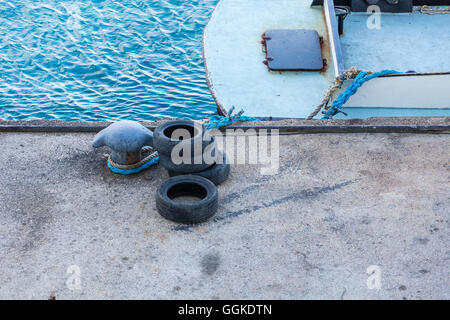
column 126, row 140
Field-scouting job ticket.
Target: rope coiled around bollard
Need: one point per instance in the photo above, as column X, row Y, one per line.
column 145, row 163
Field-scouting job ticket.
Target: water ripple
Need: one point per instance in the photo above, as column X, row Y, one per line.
column 103, row 59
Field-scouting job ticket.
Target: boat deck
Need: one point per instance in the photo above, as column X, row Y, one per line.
column 405, row 42
column 234, row 58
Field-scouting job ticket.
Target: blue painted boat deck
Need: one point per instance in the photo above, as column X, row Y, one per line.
column 405, row 42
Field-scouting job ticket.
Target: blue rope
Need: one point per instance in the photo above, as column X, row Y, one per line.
column 216, row 122
column 360, row 79
column 136, row 170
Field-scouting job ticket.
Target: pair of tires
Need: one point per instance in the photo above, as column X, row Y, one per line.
column 195, row 166
column 186, row 147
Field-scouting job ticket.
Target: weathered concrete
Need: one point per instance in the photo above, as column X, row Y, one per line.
column 340, row 203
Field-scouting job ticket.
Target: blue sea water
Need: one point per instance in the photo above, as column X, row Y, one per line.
column 103, row 59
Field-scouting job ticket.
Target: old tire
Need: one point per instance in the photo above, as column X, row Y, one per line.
column 197, row 162
column 218, row 173
column 187, row 212
column 199, row 137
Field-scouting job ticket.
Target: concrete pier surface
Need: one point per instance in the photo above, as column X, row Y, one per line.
column 340, row 205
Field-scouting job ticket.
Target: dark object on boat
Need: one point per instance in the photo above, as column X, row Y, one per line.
column 293, row 50
column 395, row 6
column 183, row 211
column 341, row 14
column 218, row 173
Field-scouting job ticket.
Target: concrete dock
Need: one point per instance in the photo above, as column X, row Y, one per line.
column 340, row 204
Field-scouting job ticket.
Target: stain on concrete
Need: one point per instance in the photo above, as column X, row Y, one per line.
column 343, row 294
column 87, row 165
column 422, row 241
column 396, row 140
column 257, row 185
column 366, row 220
column 308, row 266
column 33, row 209
column 91, row 165
column 210, row 263
column 333, row 222
column 433, row 229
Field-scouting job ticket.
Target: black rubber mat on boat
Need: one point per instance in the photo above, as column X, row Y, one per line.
column 293, row 50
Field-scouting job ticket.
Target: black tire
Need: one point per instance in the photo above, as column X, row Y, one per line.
column 187, row 212
column 218, row 173
column 197, row 162
column 197, row 132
